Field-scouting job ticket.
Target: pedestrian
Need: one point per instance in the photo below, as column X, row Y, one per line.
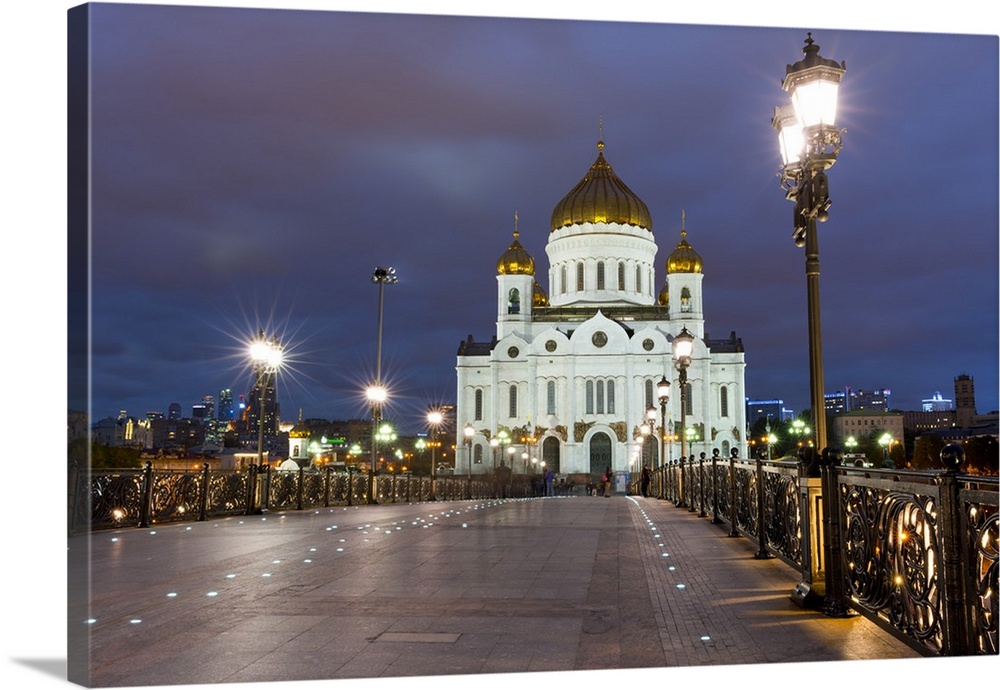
column 550, row 477
column 644, row 481
column 608, row 478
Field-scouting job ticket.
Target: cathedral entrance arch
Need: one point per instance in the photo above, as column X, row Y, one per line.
column 550, row 453
column 600, row 452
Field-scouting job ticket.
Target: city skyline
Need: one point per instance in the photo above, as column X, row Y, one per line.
column 240, row 182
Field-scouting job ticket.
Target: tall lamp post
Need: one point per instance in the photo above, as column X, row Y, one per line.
column 470, row 431
column 663, row 396
column 434, row 419
column 376, row 392
column 266, row 355
column 809, row 143
column 683, row 347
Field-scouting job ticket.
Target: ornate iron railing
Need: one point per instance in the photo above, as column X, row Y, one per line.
column 142, row 497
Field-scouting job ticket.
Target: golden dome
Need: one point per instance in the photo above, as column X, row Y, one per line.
column 539, row 298
column 516, row 260
column 684, row 259
column 601, row 197
column 663, row 299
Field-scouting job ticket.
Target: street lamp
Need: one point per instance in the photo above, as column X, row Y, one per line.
column 885, row 440
column 799, row 430
column 851, row 443
column 809, row 143
column 683, row 346
column 663, row 396
column 266, row 355
column 470, row 431
column 377, row 396
column 434, row 419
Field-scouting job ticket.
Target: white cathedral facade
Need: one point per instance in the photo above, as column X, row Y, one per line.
column 572, row 371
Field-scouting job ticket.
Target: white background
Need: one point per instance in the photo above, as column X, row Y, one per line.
column 33, row 46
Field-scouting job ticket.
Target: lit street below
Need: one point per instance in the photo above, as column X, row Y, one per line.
column 431, row 589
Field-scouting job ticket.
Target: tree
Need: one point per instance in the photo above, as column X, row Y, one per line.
column 927, row 452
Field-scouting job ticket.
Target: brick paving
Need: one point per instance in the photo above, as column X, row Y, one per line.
column 451, row 588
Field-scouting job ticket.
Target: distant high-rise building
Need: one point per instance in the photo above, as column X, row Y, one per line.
column 836, row 403
column 965, row 400
column 764, row 409
column 227, row 412
column 174, row 411
column 936, row 403
column 877, row 399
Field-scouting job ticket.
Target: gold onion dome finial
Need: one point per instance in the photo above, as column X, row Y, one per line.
column 684, row 259
column 601, row 197
column 663, row 298
column 516, row 260
column 539, row 297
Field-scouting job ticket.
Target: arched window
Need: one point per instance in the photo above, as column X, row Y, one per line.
column 649, row 393
column 685, row 299
column 562, row 278
column 513, row 401
column 621, row 275
column 550, row 397
column 589, row 394
column 611, row 397
column 600, row 397
column 579, row 277
column 688, row 395
column 478, row 454
column 479, row 405
column 600, row 275
column 723, row 402
column 638, row 279
column 514, row 301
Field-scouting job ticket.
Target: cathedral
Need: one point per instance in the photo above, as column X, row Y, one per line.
column 572, row 371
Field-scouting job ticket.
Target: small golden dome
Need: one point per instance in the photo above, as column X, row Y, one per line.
column 516, row 260
column 684, row 259
column 663, row 299
column 539, row 298
column 601, row 197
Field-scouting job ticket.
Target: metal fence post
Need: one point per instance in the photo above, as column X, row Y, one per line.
column 833, row 600
column 701, row 482
column 762, row 551
column 715, row 487
column 203, row 507
column 956, row 631
column 147, row 495
column 299, row 489
column 733, row 532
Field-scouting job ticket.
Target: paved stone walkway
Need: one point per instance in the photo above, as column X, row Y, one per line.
column 436, row 589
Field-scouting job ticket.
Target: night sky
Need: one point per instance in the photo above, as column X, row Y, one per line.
column 252, row 166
